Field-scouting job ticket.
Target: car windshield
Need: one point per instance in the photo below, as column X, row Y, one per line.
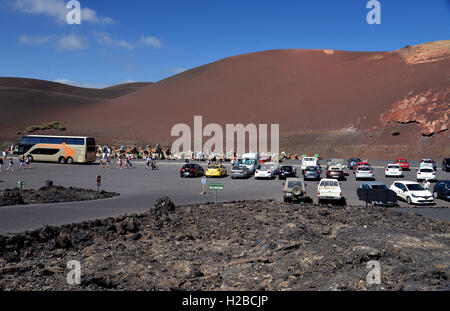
column 384, row 187
column 426, row 170
column 286, row 168
column 394, row 166
column 427, row 161
column 240, row 168
column 214, row 167
column 401, row 161
column 311, row 168
column 293, row 184
column 266, row 167
column 248, row 161
column 415, row 187
column 363, row 168
column 329, row 183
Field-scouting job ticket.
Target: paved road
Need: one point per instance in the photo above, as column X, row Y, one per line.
column 140, row 188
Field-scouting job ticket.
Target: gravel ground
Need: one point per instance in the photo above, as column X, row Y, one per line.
column 243, row 245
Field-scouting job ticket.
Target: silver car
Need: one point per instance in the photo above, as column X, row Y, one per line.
column 364, row 172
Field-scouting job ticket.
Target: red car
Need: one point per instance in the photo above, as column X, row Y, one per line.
column 403, row 163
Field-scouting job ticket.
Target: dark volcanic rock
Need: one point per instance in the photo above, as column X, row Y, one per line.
column 53, row 194
column 256, row 245
column 10, row 197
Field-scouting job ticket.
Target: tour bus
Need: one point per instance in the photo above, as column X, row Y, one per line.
column 61, row 149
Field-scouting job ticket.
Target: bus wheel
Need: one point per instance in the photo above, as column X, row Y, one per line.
column 62, row 160
column 69, row 160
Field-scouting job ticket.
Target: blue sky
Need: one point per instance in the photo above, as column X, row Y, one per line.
column 146, row 40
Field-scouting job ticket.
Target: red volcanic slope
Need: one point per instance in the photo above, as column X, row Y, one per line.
column 340, row 97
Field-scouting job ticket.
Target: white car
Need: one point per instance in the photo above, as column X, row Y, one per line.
column 329, row 190
column 265, row 171
column 274, row 166
column 412, row 192
column 427, row 163
column 308, row 161
column 364, row 172
column 393, row 170
column 426, row 173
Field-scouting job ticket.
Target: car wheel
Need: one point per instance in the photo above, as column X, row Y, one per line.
column 408, row 200
column 62, row 160
column 69, row 160
column 435, row 195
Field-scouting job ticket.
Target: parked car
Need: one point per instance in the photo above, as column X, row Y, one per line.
column 329, row 190
column 311, row 172
column 377, row 185
column 352, row 162
column 403, row 163
column 216, row 170
column 412, row 192
column 192, row 170
column 265, row 171
column 442, row 190
column 287, row 171
column 274, row 166
column 364, row 172
column 308, row 161
column 428, row 163
column 336, row 162
column 336, row 172
column 361, row 164
column 446, row 165
column 393, row 170
column 294, row 190
column 240, row 171
column 426, row 173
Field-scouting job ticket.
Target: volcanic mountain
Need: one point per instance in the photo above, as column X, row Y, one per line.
column 337, row 103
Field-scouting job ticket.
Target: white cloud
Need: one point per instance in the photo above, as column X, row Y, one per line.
column 70, row 42
column 151, row 42
column 176, row 70
column 56, row 9
column 84, row 85
column 36, row 40
column 105, row 38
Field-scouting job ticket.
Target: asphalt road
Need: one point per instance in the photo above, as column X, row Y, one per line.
column 139, row 188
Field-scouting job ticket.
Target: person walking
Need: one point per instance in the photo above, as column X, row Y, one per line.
column 426, row 184
column 10, row 165
column 147, row 162
column 1, row 163
column 27, row 162
column 5, row 155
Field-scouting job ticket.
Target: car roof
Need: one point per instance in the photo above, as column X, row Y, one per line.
column 406, row 182
column 373, row 183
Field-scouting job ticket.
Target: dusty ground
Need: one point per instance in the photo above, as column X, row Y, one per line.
column 53, row 194
column 255, row 245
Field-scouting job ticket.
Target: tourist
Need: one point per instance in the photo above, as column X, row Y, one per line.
column 11, row 165
column 27, row 162
column 22, row 163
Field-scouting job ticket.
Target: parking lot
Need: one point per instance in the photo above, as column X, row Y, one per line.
column 139, row 188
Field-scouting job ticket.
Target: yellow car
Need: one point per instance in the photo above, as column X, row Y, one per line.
column 217, row 170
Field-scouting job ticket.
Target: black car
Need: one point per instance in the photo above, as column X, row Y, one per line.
column 352, row 162
column 192, row 170
column 311, row 172
column 446, row 165
column 287, row 171
column 442, row 190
